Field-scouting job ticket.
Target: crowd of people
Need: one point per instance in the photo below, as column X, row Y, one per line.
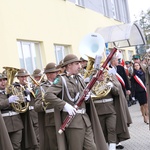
column 33, row 107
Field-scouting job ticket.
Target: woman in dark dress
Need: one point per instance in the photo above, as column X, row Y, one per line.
column 139, row 90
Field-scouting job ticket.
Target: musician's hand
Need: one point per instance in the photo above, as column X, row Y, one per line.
column 13, row 99
column 110, row 84
column 87, row 80
column 88, row 95
column 27, row 98
column 70, row 109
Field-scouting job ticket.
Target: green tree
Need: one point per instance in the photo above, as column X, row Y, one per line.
column 144, row 22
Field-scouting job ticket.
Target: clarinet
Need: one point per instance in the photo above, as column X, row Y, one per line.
column 89, row 86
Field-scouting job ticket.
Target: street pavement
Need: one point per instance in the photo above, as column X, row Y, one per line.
column 139, row 131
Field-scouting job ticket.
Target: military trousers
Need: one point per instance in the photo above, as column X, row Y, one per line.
column 50, row 138
column 80, row 139
column 108, row 124
column 16, row 138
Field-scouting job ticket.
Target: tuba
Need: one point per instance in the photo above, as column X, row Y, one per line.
column 21, row 106
column 92, row 45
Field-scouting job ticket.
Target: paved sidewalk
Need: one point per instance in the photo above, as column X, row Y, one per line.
column 139, row 131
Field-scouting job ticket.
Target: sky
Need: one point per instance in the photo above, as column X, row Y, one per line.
column 136, row 6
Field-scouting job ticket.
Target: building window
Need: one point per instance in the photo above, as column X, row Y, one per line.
column 105, row 7
column 29, row 55
column 80, row 2
column 61, row 51
column 113, row 9
column 130, row 54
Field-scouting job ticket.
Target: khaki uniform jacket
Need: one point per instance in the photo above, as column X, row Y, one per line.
column 13, row 123
column 45, row 119
column 49, row 118
column 108, row 107
column 54, row 96
column 5, row 143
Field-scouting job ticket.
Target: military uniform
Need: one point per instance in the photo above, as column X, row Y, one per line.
column 107, row 115
column 12, row 120
column 5, row 143
column 79, row 134
column 48, row 140
column 30, row 118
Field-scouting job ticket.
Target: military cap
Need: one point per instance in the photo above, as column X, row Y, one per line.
column 82, row 59
column 37, row 73
column 3, row 76
column 136, row 57
column 22, row 72
column 127, row 62
column 70, row 58
column 51, row 67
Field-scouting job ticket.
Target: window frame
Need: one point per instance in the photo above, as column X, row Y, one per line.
column 31, row 54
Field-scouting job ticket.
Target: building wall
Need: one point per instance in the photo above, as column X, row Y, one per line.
column 116, row 9
column 47, row 21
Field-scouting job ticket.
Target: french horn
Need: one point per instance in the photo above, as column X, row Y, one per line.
column 21, row 105
column 100, row 88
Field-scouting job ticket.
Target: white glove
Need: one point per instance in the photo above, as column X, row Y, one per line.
column 87, row 80
column 87, row 96
column 27, row 98
column 110, row 84
column 13, row 99
column 133, row 98
column 70, row 109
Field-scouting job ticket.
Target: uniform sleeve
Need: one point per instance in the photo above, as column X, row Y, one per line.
column 4, row 103
column 52, row 93
column 38, row 100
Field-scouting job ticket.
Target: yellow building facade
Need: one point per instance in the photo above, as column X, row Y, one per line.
column 47, row 24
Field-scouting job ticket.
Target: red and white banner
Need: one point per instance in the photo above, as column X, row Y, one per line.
column 140, row 82
column 120, row 79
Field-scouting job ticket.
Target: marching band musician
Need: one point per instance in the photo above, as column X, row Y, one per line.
column 63, row 94
column 38, row 76
column 106, row 110
column 11, row 118
column 83, row 66
column 47, row 131
column 110, row 110
column 30, row 117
